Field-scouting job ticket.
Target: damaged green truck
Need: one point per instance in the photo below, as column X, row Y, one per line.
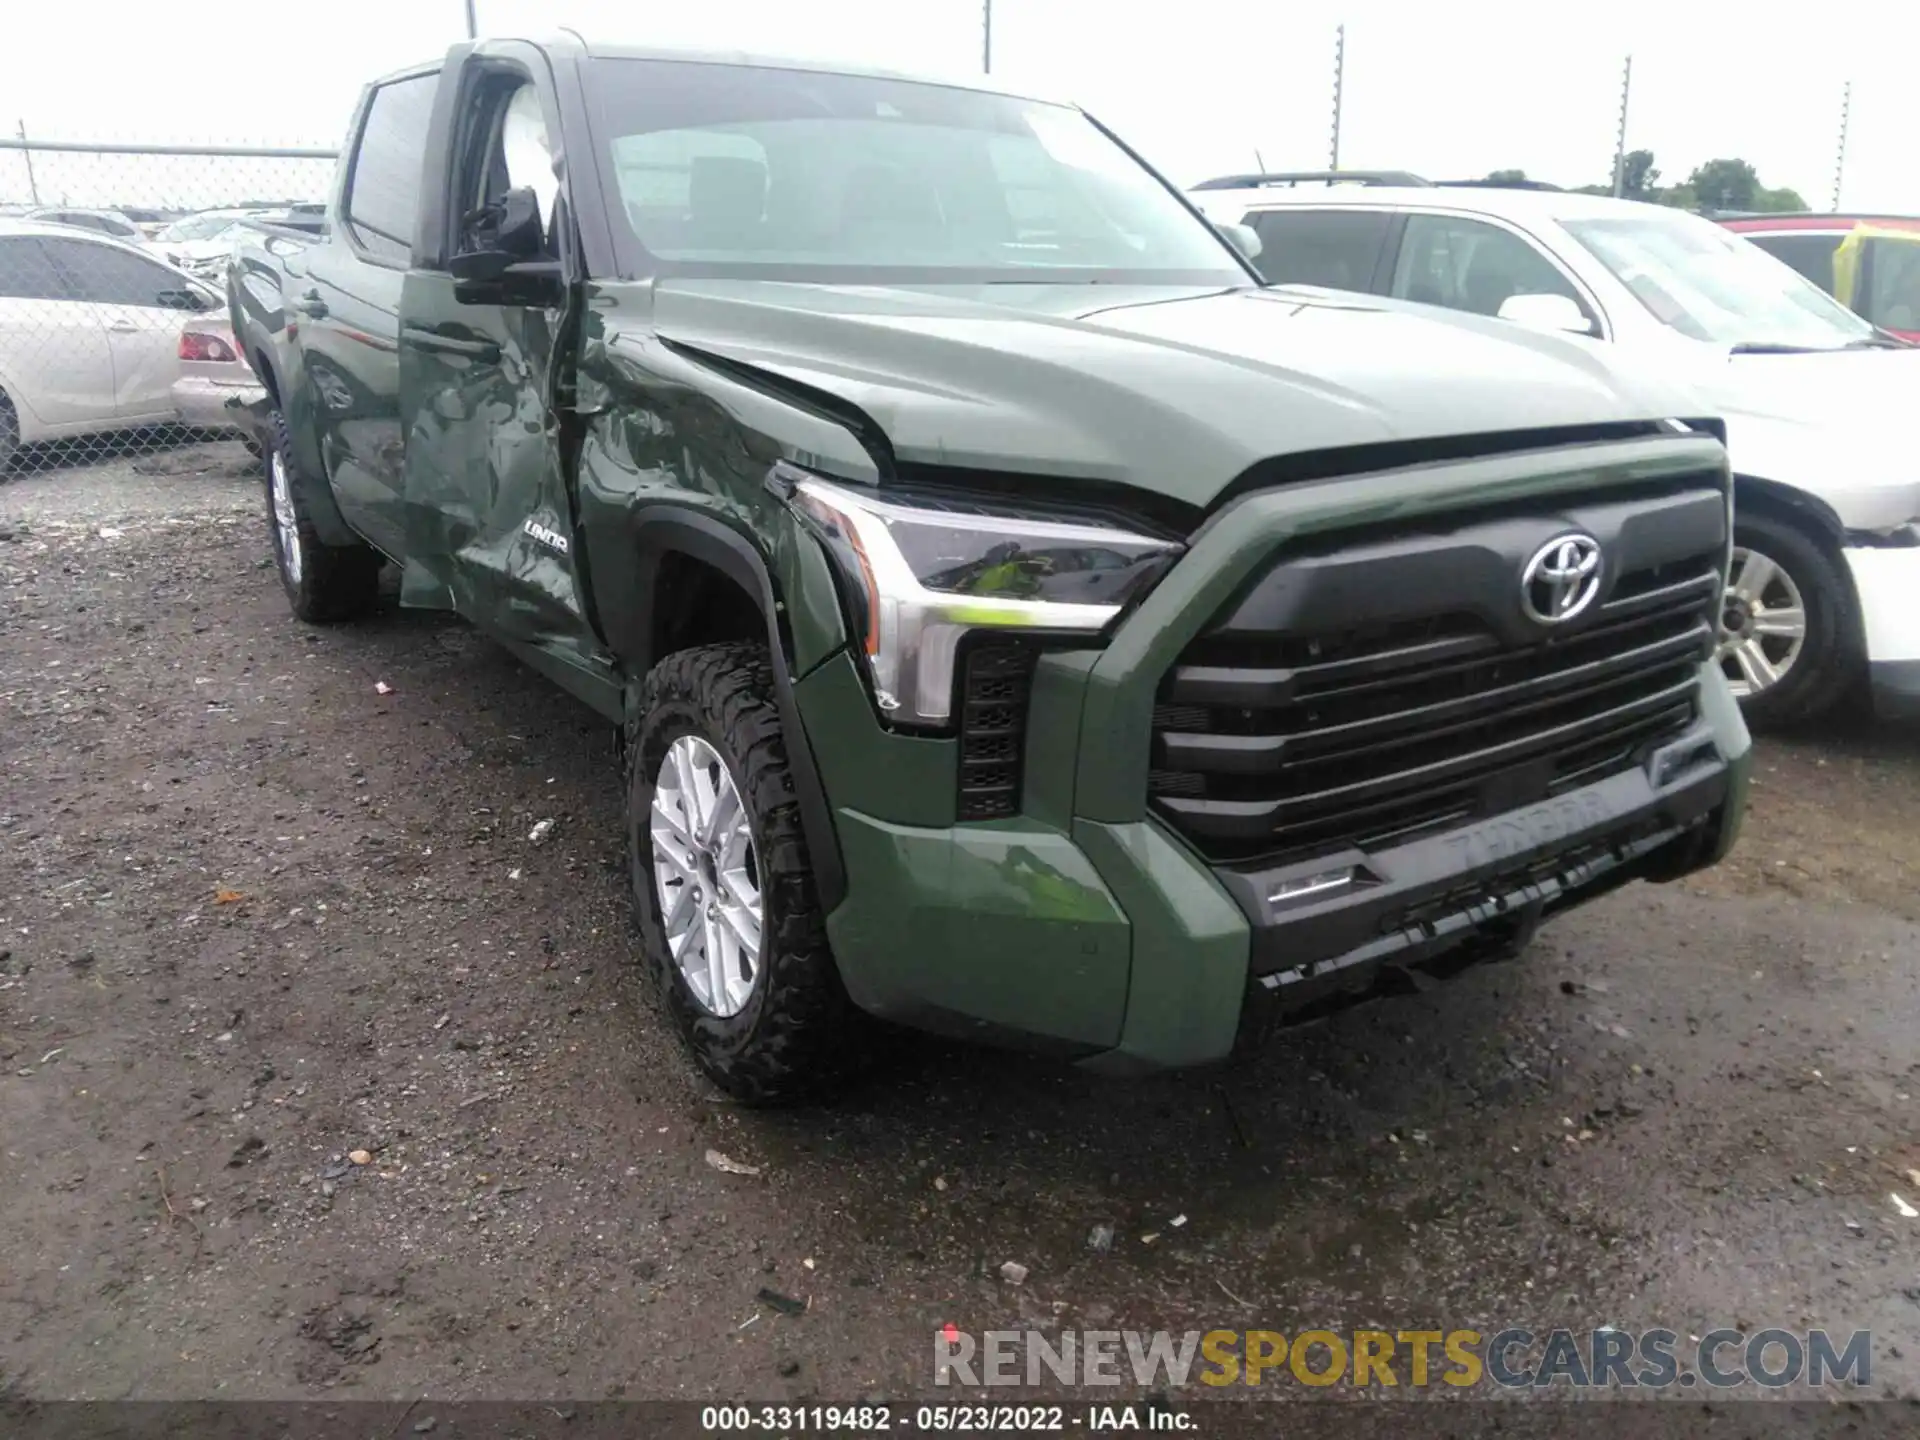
column 1024, row 624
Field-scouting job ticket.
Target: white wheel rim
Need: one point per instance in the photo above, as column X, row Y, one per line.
column 1763, row 623
column 706, row 876
column 286, row 525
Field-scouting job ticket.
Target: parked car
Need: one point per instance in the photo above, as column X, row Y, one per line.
column 1826, row 564
column 1869, row 263
column 939, row 541
column 150, row 221
column 89, row 334
column 216, row 387
column 105, row 222
column 197, row 236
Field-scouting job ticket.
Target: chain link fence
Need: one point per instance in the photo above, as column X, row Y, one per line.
column 114, row 337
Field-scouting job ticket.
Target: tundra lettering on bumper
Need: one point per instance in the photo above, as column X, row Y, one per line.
column 1322, row 754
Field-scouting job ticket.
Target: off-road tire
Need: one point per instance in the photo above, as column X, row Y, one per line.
column 798, row 1036
column 9, row 434
column 1827, row 670
column 336, row 582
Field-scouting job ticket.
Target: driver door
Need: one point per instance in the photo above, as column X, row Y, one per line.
column 489, row 513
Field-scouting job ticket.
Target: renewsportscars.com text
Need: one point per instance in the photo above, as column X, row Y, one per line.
column 1513, row 1358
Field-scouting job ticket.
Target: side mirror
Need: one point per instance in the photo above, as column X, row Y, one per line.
column 1243, row 238
column 506, row 263
column 1547, row 312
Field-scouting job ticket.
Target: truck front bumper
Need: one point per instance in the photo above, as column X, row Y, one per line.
column 1085, row 925
column 1116, row 944
column 1886, row 580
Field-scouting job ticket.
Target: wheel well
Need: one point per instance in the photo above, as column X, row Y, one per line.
column 265, row 372
column 1817, row 523
column 1796, row 507
column 699, row 604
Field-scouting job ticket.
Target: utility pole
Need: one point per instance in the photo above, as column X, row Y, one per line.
column 473, row 28
column 1840, row 161
column 33, row 186
column 1339, row 81
column 1620, row 138
column 986, row 37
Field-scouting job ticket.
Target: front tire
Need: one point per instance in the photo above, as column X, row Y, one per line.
column 723, row 893
column 1787, row 625
column 324, row 583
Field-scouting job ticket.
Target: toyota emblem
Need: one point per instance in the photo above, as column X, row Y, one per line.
column 1561, row 579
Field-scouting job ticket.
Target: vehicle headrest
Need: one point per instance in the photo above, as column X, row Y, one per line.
column 726, row 188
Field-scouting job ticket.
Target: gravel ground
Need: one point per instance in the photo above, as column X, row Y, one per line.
column 256, row 915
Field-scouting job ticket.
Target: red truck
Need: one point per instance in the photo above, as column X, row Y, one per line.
column 1870, row 263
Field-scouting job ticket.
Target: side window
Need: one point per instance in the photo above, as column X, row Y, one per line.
column 1894, row 298
column 383, row 190
column 1470, row 265
column 1335, row 248
column 26, row 273
column 515, row 154
column 528, row 154
column 1811, row 255
column 108, row 275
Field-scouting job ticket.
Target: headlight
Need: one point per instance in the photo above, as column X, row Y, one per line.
column 921, row 576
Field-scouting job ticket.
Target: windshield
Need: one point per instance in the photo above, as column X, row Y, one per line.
column 196, row 227
column 1710, row 284
column 732, row 170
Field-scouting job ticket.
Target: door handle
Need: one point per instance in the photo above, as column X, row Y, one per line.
column 124, row 327
column 311, row 305
column 487, row 352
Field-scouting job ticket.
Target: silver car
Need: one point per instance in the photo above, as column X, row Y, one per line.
column 215, row 381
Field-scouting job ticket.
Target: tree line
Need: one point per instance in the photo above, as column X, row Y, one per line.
column 1716, row 185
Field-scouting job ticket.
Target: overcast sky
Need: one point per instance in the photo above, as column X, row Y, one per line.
column 1199, row 85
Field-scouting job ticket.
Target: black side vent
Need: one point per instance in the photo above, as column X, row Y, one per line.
column 994, row 683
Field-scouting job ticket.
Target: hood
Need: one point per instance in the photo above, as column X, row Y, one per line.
column 1170, row 390
column 1839, row 425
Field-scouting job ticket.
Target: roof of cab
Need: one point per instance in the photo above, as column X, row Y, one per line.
column 601, row 50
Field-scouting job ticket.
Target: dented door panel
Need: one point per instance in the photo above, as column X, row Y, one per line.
column 490, row 529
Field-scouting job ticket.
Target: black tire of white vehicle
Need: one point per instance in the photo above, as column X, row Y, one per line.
column 1825, row 671
column 797, row 1035
column 325, row 583
column 9, row 434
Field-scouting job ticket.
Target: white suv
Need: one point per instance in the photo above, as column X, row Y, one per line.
column 1819, row 405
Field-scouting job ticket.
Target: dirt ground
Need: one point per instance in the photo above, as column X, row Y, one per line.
column 256, row 914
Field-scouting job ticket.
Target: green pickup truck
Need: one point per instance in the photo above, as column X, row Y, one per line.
column 1023, row 624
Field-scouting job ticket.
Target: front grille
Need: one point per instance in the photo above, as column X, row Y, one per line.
column 994, row 684
column 1269, row 746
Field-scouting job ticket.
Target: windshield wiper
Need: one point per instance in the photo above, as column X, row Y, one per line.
column 1775, row 347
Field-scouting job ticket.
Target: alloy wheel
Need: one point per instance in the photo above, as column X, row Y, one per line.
column 1763, row 623
column 706, row 875
column 286, row 524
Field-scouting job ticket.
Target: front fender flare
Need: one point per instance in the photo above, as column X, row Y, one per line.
column 663, row 529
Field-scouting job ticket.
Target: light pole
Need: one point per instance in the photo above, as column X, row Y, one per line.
column 986, row 37
column 473, row 29
column 1620, row 136
column 1339, row 84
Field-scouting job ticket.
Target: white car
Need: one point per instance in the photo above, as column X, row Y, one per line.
column 1825, row 582
column 90, row 334
column 206, row 237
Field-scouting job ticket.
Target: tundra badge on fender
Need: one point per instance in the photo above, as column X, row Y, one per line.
column 551, row 539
